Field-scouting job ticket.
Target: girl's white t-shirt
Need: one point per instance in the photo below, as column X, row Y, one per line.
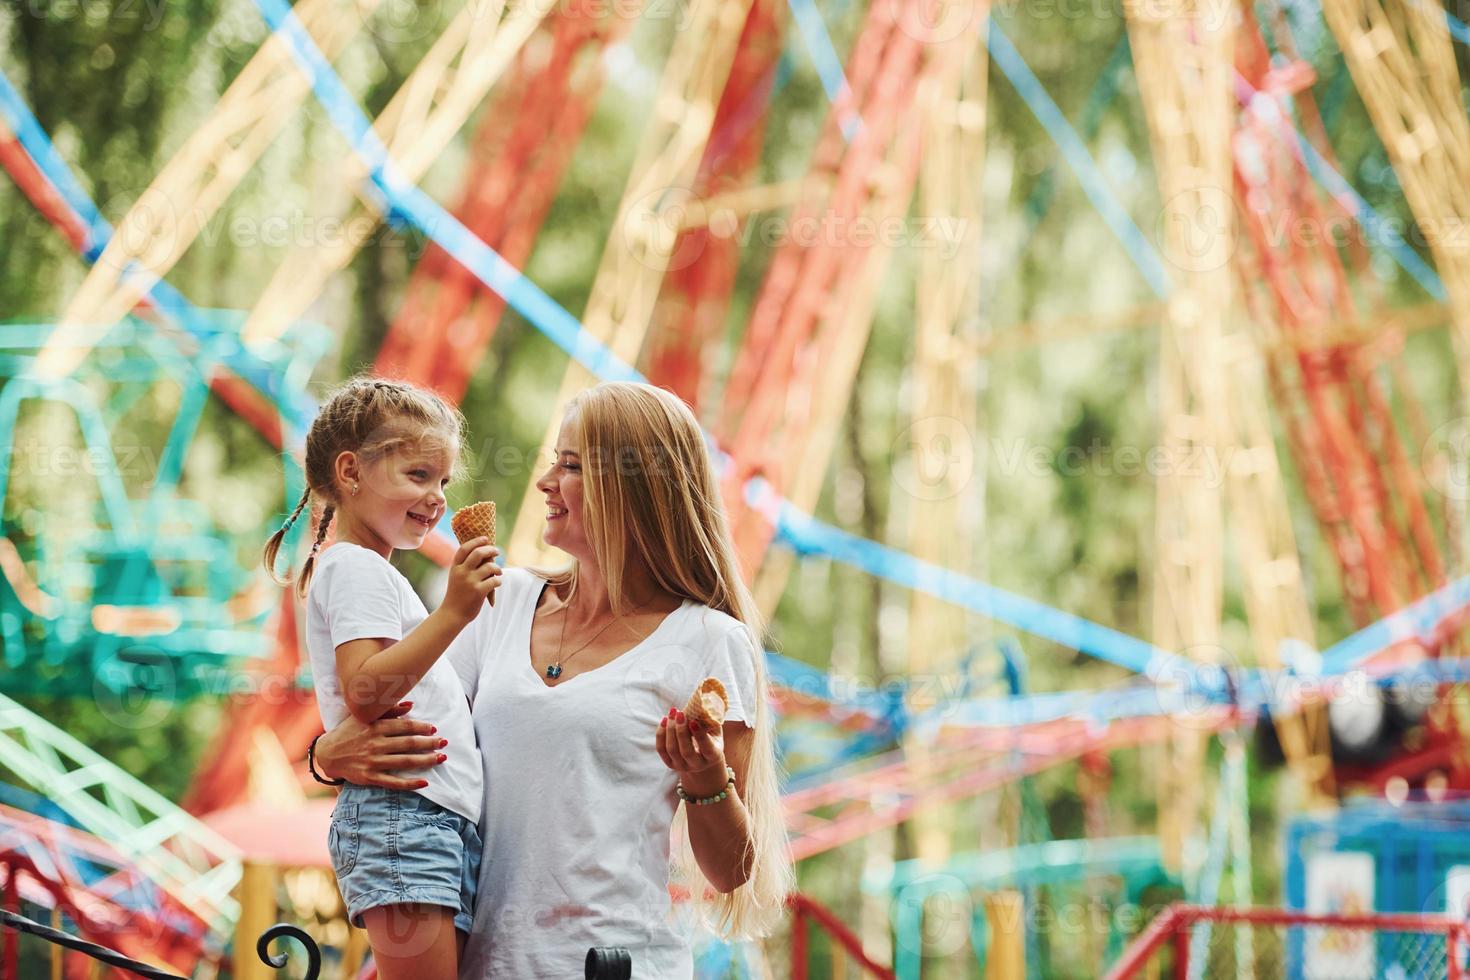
column 356, row 594
column 578, row 804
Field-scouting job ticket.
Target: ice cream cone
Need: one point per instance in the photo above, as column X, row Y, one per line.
column 707, row 705
column 476, row 521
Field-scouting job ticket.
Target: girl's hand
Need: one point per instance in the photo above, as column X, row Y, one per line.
column 693, row 751
column 367, row 754
column 473, row 575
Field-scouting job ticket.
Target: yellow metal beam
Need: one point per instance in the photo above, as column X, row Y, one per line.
column 194, row 184
column 841, row 336
column 1429, row 315
column 725, row 211
column 417, row 126
column 258, row 911
column 1005, row 958
column 1403, row 63
column 1274, row 590
column 939, row 442
column 1213, row 397
column 638, row 251
column 1182, row 56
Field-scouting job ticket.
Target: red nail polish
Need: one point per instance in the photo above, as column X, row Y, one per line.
column 663, row 723
column 443, row 757
column 423, row 783
column 443, row 742
column 433, row 729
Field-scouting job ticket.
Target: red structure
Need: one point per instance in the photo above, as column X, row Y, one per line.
column 1369, row 498
column 277, row 706
column 784, row 350
column 448, row 317
column 39, row 191
column 1435, row 944
column 1330, row 376
column 805, row 912
column 891, row 789
column 55, row 866
column 689, row 317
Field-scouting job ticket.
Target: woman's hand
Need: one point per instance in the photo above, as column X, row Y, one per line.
column 367, row 754
column 695, row 753
column 719, row 834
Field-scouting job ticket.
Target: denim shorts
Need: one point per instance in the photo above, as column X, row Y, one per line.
column 393, row 847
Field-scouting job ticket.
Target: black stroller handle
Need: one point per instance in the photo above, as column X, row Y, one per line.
column 609, row 963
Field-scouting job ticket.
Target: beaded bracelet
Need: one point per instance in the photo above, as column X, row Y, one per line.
column 679, row 789
column 311, row 764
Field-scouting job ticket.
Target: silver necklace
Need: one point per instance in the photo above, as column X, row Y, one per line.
column 553, row 670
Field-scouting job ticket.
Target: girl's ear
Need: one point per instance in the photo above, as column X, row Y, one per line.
column 347, row 472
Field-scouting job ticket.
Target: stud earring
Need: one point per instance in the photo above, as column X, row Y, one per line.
column 354, row 489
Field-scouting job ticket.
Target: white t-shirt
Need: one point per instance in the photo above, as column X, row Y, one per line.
column 355, row 594
column 578, row 804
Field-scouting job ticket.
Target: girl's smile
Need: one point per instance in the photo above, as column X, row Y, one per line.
column 398, row 499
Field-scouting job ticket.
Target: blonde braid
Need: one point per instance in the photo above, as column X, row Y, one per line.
column 328, row 513
column 273, row 546
column 323, row 524
column 300, row 505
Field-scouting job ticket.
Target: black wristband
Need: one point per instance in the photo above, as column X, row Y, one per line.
column 311, row 764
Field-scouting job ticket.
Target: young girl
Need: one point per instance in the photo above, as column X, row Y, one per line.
column 407, row 861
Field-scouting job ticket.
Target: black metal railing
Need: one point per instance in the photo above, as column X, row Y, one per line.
column 113, row 958
column 603, row 962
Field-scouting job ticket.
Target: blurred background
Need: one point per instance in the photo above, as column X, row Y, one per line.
column 1090, row 379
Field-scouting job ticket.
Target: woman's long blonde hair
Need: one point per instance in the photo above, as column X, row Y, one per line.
column 649, row 486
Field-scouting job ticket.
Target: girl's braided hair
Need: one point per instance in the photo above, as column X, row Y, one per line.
column 372, row 418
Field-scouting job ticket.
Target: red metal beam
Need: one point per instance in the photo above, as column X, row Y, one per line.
column 907, row 788
column 783, row 352
column 1381, row 921
column 798, row 946
column 690, row 313
column 520, row 152
column 42, row 195
column 1148, row 942
column 1177, row 921
column 51, row 857
column 804, row 907
column 1340, row 420
column 276, row 704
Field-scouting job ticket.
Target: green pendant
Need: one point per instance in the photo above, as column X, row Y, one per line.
column 554, row 671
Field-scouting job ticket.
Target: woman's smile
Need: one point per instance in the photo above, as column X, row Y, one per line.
column 561, row 488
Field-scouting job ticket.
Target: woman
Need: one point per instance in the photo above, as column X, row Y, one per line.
column 577, row 679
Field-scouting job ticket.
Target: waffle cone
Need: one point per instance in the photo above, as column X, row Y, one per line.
column 476, row 521
column 707, row 704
